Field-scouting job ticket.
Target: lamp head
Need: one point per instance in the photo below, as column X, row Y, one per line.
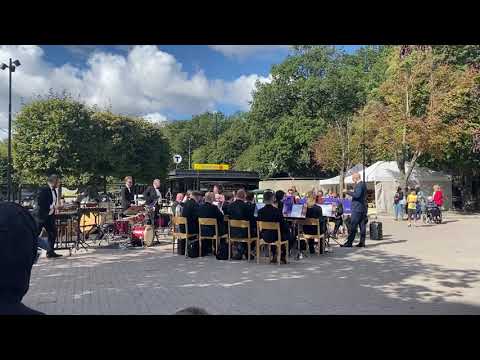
column 16, row 63
column 3, row 66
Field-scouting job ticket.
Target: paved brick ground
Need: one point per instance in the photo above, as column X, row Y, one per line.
column 424, row 270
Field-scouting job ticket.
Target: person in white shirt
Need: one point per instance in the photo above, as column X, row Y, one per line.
column 45, row 212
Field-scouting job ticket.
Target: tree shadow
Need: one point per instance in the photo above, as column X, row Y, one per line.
column 381, row 242
column 155, row 281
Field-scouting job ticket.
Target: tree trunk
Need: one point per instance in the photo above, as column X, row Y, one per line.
column 413, row 162
column 341, row 181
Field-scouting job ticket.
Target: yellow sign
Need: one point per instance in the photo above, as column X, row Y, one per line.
column 211, row 167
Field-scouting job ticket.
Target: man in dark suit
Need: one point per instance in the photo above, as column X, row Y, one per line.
column 190, row 211
column 128, row 197
column 239, row 210
column 18, row 244
column 152, row 194
column 152, row 197
column 359, row 211
column 210, row 211
column 272, row 214
column 47, row 202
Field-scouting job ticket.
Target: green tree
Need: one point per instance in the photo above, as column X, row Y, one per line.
column 231, row 143
column 3, row 168
column 133, row 147
column 201, row 130
column 254, row 159
column 459, row 55
column 418, row 111
column 291, row 146
column 56, row 134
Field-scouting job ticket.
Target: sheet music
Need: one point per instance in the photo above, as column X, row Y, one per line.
column 298, row 211
column 327, row 209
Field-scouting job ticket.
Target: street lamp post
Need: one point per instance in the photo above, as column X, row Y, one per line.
column 11, row 68
column 189, row 154
column 363, row 130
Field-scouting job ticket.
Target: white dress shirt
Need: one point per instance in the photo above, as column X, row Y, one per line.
column 54, row 201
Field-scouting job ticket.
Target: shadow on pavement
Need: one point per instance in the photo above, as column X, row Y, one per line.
column 347, row 281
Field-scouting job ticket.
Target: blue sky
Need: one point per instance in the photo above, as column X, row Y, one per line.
column 155, row 81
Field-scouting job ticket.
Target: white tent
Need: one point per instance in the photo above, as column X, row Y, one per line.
column 384, row 177
column 335, row 180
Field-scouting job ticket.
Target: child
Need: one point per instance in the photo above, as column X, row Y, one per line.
column 412, row 208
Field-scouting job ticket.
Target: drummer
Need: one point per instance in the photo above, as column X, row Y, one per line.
column 128, row 197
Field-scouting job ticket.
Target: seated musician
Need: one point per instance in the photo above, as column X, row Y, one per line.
column 177, row 205
column 313, row 212
column 279, row 196
column 319, row 198
column 338, row 211
column 208, row 210
column 190, row 211
column 272, row 214
column 250, row 201
column 228, row 199
column 128, row 197
column 239, row 210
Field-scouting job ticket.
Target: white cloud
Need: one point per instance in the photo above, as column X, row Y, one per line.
column 81, row 50
column 155, row 118
column 243, row 51
column 239, row 91
column 144, row 80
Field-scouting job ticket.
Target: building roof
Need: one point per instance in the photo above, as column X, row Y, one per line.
column 213, row 174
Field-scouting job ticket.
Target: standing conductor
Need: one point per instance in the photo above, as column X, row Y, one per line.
column 359, row 211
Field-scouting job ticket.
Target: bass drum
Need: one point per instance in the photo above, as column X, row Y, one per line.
column 88, row 221
column 143, row 232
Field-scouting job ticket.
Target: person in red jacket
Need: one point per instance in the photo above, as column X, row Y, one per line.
column 438, row 196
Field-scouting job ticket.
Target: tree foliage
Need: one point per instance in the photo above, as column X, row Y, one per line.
column 57, row 134
column 420, row 108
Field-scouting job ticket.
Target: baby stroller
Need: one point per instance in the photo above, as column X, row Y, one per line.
column 434, row 215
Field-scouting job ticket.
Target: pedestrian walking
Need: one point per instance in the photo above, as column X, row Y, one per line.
column 397, row 204
column 412, row 208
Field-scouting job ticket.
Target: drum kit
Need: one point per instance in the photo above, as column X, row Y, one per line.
column 133, row 227
column 139, row 227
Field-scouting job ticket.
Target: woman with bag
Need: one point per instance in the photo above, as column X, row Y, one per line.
column 397, row 204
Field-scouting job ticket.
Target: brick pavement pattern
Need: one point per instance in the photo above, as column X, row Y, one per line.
column 423, row 270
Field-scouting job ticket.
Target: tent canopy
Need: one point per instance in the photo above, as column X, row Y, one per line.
column 388, row 171
column 335, row 180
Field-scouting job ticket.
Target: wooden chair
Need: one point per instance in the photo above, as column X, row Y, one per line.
column 177, row 221
column 242, row 224
column 317, row 236
column 225, row 222
column 216, row 238
column 265, row 225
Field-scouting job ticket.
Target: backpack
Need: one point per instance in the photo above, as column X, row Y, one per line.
column 222, row 251
column 193, row 250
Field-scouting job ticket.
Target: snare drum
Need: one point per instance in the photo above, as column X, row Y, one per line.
column 121, row 227
column 140, row 218
column 142, row 232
